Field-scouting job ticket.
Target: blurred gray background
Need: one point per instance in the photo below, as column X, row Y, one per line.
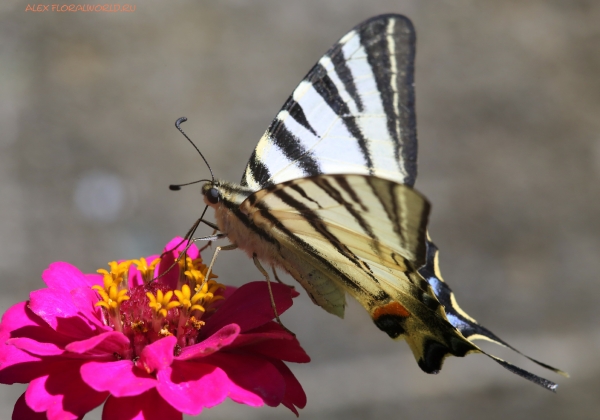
column 508, row 106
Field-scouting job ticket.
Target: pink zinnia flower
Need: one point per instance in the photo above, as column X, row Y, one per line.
column 151, row 348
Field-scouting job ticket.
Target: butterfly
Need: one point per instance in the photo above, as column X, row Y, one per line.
column 327, row 196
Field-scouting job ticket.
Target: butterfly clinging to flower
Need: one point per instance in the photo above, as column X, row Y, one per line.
column 327, row 196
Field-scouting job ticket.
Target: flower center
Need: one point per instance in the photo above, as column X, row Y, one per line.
column 150, row 311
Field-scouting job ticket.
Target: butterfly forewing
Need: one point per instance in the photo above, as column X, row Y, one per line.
column 352, row 113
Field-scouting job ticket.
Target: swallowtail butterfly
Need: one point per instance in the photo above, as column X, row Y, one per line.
column 328, row 197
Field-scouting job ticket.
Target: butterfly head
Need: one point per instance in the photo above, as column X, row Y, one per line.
column 211, row 193
column 217, row 193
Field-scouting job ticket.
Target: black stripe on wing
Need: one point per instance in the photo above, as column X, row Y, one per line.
column 343, row 72
column 294, row 152
column 289, row 145
column 259, row 172
column 297, row 113
column 307, row 248
column 330, row 94
column 384, row 47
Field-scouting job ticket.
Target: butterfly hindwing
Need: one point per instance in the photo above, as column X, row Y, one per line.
column 363, row 235
column 352, row 113
column 467, row 325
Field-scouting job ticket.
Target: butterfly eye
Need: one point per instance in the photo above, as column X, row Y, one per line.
column 212, row 195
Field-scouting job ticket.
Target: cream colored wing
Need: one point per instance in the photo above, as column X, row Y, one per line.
column 366, row 236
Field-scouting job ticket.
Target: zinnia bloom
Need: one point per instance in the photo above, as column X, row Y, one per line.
column 152, row 348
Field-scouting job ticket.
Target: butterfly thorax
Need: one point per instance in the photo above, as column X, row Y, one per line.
column 226, row 198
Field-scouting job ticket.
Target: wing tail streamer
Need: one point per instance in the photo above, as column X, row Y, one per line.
column 468, row 326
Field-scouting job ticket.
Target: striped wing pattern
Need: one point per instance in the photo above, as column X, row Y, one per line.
column 365, row 236
column 352, row 113
column 327, row 195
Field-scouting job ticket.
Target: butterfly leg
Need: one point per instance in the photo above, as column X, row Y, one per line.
column 264, row 273
column 190, row 242
column 291, row 286
column 217, row 250
column 209, row 243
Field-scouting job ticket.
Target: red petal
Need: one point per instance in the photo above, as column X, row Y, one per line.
column 288, row 350
column 255, row 374
column 249, row 307
column 147, row 406
column 294, row 394
column 23, row 412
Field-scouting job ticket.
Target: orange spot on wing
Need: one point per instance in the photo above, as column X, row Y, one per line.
column 392, row 308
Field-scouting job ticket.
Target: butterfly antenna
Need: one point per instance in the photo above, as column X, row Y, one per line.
column 177, row 187
column 178, row 125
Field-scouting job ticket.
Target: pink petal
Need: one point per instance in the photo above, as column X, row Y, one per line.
column 103, row 346
column 179, row 244
column 243, row 396
column 121, row 379
column 62, row 393
column 224, row 337
column 94, row 279
column 17, row 316
column 17, row 366
column 249, row 307
column 191, row 386
column 85, row 300
column 23, row 412
column 20, row 321
column 147, row 406
column 158, row 355
column 256, row 375
column 135, row 276
column 57, row 309
column 64, row 276
column 171, row 253
column 35, row 347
